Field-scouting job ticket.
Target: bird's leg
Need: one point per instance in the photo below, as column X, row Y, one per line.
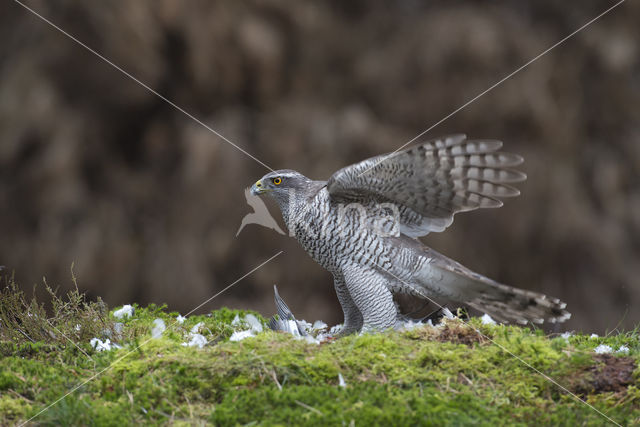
column 352, row 316
column 372, row 297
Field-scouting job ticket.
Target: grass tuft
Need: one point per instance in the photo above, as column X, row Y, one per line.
column 73, row 319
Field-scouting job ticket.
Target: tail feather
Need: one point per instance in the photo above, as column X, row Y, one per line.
column 444, row 277
column 432, row 274
column 505, row 303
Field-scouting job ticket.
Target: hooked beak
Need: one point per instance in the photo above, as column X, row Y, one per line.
column 258, row 188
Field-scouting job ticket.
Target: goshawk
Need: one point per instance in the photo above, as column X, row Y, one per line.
column 363, row 223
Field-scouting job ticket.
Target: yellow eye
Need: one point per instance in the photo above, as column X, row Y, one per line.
column 277, row 180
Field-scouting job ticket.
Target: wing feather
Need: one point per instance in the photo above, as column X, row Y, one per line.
column 432, row 181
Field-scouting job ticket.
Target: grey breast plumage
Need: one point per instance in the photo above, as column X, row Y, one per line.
column 424, row 186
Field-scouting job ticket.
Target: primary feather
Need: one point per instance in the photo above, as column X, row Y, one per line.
column 432, row 181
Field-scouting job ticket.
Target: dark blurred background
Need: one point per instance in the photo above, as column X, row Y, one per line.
column 97, row 171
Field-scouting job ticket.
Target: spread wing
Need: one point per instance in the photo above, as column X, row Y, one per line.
column 432, row 181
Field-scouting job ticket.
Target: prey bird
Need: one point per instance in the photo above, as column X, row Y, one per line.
column 363, row 224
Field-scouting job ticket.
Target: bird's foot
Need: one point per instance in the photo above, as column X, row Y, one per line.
column 343, row 330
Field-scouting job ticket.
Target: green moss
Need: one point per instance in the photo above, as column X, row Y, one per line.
column 456, row 375
column 13, row 407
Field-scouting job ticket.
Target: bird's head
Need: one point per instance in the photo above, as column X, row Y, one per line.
column 286, row 186
column 279, row 184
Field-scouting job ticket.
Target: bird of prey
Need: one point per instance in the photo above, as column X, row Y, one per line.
column 363, row 223
column 260, row 214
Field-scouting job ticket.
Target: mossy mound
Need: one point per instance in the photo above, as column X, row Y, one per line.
column 456, row 374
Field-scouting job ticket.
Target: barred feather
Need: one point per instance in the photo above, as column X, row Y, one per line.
column 432, row 181
column 430, row 274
